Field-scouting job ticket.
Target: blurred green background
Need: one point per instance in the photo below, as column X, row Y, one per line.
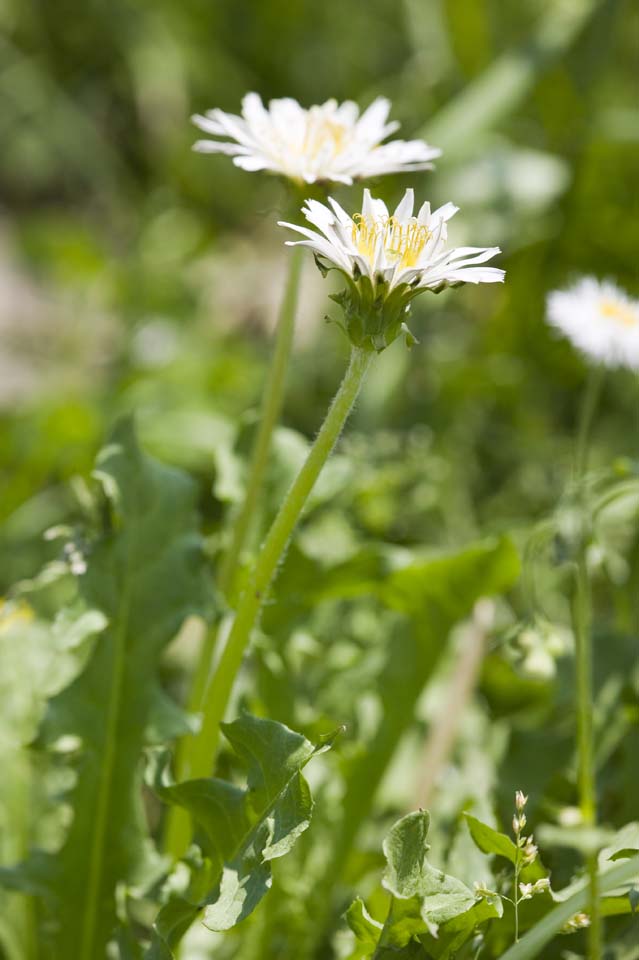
column 138, row 275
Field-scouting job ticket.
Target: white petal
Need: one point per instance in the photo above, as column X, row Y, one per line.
column 340, row 213
column 404, row 209
column 423, row 217
column 254, row 110
column 446, row 212
column 218, row 146
column 374, row 117
column 458, row 259
column 208, row 124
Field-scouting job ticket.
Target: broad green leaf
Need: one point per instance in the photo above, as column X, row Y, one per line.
column 32, row 667
column 423, row 897
column 242, row 830
column 424, row 900
column 454, row 934
column 143, row 573
column 491, row 841
column 366, row 929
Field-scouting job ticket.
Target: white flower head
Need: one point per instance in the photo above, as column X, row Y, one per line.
column 601, row 320
column 389, row 259
column 326, row 142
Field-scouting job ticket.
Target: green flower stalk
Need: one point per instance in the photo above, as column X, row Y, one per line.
column 582, row 629
column 271, row 408
column 270, row 555
column 392, row 259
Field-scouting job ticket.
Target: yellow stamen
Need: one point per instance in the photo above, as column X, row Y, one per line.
column 322, row 133
column 621, row 312
column 402, row 242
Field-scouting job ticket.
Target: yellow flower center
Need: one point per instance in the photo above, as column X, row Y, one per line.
column 620, row 312
column 403, row 242
column 320, row 134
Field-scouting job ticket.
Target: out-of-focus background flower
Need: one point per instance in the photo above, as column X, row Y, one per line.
column 136, row 274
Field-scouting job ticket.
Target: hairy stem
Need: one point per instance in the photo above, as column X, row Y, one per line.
column 250, row 603
column 178, row 821
column 582, row 615
column 271, row 407
column 582, row 627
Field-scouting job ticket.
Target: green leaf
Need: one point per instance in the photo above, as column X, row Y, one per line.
column 366, row 929
column 242, row 830
column 491, row 841
column 143, row 573
column 624, row 854
column 424, row 901
column 457, row 931
column 423, row 897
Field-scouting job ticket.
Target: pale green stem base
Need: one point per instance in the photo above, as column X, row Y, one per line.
column 259, row 580
column 582, row 626
column 178, row 828
column 271, row 407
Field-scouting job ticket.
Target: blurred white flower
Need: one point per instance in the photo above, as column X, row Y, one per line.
column 394, row 249
column 600, row 319
column 577, row 922
column 329, row 141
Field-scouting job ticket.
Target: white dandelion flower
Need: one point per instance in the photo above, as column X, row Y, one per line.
column 600, row 319
column 389, row 259
column 329, row 141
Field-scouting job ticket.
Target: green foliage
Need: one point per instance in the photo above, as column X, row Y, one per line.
column 138, row 276
column 241, row 830
column 491, row 841
column 541, row 934
column 141, row 574
column 426, row 905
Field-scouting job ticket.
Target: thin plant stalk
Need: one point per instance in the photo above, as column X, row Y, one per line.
column 271, row 408
column 516, row 900
column 259, row 579
column 178, row 828
column 582, row 627
column 178, row 821
column 589, row 405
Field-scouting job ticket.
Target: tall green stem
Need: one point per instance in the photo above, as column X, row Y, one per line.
column 271, row 407
column 589, row 403
column 582, row 626
column 582, row 617
column 260, row 577
column 178, row 822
